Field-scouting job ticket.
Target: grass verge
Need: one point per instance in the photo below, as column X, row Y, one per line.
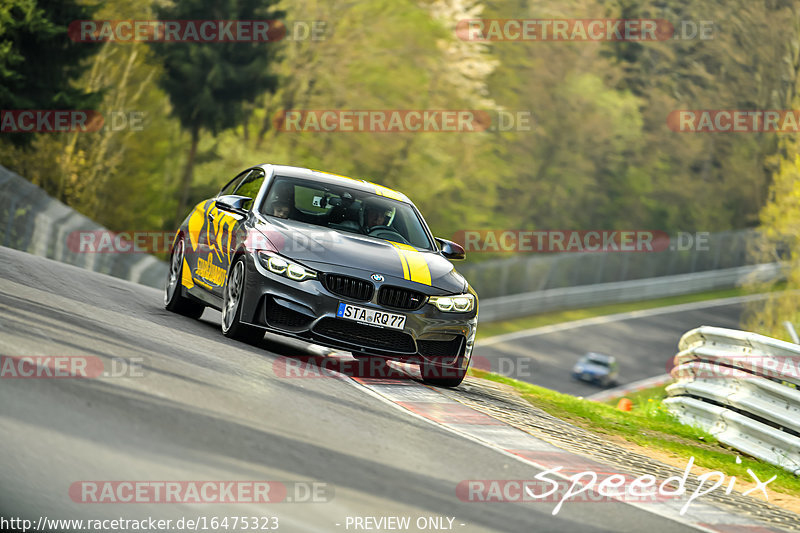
column 490, row 329
column 649, row 425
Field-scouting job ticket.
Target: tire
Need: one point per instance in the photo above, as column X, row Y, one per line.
column 442, row 376
column 232, row 306
column 173, row 299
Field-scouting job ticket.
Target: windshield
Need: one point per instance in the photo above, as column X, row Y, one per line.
column 597, row 359
column 345, row 209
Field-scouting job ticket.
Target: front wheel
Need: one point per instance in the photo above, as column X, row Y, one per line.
column 173, row 299
column 442, row 376
column 232, row 294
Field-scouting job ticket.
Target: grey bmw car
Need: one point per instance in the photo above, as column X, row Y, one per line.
column 337, row 261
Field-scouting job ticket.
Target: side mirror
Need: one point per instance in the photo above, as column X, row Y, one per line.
column 451, row 250
column 233, row 203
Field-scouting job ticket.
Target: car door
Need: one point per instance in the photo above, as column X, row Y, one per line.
column 203, row 225
column 223, row 228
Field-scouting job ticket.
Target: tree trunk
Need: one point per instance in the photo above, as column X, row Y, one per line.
column 186, row 182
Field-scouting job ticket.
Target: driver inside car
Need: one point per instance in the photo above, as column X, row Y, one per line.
column 280, row 209
column 376, row 215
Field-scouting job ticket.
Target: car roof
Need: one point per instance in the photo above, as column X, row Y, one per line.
column 337, row 179
column 599, row 356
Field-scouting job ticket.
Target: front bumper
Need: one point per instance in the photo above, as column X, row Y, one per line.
column 307, row 310
column 589, row 377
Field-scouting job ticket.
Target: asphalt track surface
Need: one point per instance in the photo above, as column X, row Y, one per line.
column 643, row 345
column 208, row 408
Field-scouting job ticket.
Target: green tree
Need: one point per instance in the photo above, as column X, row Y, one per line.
column 38, row 63
column 209, row 83
column 780, row 227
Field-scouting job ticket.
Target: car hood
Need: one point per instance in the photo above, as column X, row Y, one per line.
column 316, row 245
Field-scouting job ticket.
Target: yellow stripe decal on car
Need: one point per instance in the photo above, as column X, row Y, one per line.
column 404, row 263
column 196, row 222
column 214, row 226
column 387, row 192
column 186, row 275
column 415, row 268
column 223, row 224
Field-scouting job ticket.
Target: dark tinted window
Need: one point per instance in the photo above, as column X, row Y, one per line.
column 344, row 209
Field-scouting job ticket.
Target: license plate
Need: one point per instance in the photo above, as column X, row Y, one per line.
column 373, row 317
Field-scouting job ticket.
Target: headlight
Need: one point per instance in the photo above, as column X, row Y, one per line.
column 463, row 303
column 279, row 265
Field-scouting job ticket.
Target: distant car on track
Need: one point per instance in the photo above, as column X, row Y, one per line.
column 597, row 368
column 340, row 262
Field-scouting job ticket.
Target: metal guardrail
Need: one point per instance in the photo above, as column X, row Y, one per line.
column 33, row 222
column 742, row 388
column 529, row 303
column 534, row 272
